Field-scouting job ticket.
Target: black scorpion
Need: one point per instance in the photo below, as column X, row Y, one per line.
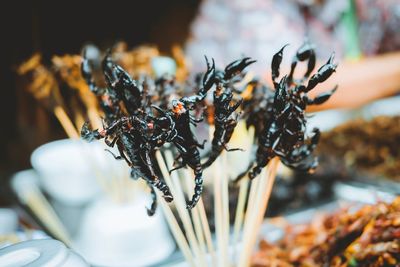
column 130, row 136
column 178, row 120
column 225, row 120
column 284, row 132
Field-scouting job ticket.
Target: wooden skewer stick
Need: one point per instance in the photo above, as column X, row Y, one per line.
column 266, row 183
column 218, row 212
column 94, row 118
column 65, row 121
column 195, row 213
column 29, row 194
column 176, row 231
column 207, row 232
column 179, row 201
column 225, row 207
column 254, row 184
column 239, row 215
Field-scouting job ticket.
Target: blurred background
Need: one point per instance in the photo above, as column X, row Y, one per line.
column 63, row 28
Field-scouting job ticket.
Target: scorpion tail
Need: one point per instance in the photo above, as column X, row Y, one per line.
column 153, row 207
column 160, row 185
column 198, row 189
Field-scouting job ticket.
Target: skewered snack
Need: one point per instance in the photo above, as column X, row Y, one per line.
column 369, row 236
column 283, row 132
column 127, row 105
column 225, row 120
column 137, row 133
column 42, row 84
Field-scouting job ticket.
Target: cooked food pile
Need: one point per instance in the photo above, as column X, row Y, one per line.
column 372, row 146
column 369, row 236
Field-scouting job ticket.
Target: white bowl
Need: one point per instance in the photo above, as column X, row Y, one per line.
column 122, row 234
column 68, row 168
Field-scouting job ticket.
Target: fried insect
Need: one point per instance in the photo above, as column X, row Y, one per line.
column 122, row 94
column 108, row 99
column 225, row 120
column 258, row 108
column 129, row 134
column 284, row 132
column 178, row 120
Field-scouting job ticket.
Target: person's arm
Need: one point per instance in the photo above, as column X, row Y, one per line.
column 361, row 82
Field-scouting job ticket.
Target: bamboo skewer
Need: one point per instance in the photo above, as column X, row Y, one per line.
column 257, row 214
column 65, row 121
column 199, row 208
column 28, row 193
column 225, row 208
column 180, row 204
column 239, row 214
column 218, row 214
column 195, row 216
column 207, row 232
column 176, row 231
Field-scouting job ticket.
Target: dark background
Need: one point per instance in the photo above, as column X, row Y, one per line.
column 59, row 27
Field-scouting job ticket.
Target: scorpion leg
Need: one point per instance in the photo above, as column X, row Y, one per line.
column 135, row 174
column 177, row 168
column 201, row 145
column 112, row 143
column 115, row 156
column 231, row 149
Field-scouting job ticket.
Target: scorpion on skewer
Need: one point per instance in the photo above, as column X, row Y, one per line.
column 225, row 120
column 178, row 120
column 121, row 88
column 284, row 133
column 130, row 136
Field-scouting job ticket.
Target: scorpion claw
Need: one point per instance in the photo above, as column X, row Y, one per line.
column 209, row 76
column 323, row 73
column 276, row 63
column 237, row 67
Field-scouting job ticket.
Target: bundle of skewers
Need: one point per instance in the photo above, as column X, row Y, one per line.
column 59, row 87
column 153, row 122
